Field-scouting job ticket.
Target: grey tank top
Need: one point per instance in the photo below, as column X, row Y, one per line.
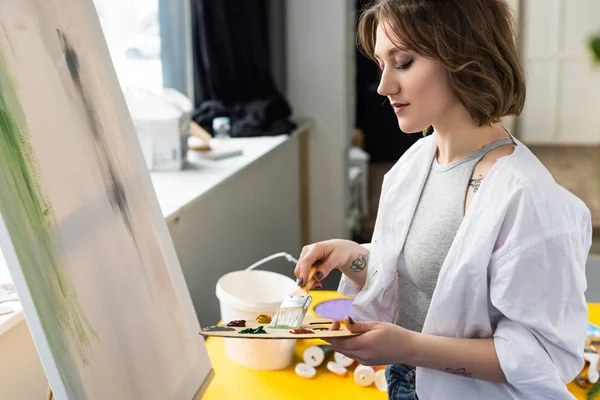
column 438, row 215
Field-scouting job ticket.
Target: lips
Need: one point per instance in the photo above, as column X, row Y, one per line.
column 399, row 107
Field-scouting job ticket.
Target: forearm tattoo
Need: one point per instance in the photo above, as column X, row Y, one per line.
column 476, row 182
column 359, row 264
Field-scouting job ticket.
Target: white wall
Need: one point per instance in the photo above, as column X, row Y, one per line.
column 320, row 73
column 21, row 374
column 250, row 216
column 563, row 104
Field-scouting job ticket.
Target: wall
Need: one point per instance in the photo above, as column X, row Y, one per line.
column 250, row 216
column 563, row 85
column 320, row 85
column 21, row 374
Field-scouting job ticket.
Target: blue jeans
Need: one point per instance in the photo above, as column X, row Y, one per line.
column 401, row 382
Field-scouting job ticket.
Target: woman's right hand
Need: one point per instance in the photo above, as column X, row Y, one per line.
column 332, row 254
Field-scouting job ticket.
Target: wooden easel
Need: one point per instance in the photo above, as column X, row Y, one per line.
column 197, row 396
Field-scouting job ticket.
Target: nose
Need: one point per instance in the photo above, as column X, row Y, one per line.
column 388, row 85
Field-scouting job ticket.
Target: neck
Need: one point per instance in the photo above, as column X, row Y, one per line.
column 458, row 136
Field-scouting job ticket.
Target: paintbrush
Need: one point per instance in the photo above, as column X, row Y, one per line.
column 293, row 308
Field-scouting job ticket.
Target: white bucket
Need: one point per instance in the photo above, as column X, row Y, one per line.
column 245, row 295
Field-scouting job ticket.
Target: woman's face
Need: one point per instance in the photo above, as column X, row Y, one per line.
column 417, row 87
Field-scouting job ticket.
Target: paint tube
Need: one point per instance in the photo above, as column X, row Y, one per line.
column 342, row 360
column 305, row 370
column 315, row 355
column 336, row 368
column 380, row 380
column 364, row 375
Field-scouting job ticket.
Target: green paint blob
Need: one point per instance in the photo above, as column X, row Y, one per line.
column 253, row 331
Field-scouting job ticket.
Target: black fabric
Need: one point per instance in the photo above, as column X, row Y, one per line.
column 232, row 74
column 384, row 140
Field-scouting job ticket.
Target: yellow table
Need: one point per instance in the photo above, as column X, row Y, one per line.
column 234, row 382
column 594, row 317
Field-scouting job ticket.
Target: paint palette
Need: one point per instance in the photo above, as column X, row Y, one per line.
column 319, row 327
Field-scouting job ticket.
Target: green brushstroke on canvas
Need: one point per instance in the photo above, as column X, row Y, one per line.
column 30, row 224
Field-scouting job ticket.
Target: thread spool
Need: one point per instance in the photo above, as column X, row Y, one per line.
column 364, row 375
column 305, row 370
column 342, row 360
column 380, row 381
column 315, row 355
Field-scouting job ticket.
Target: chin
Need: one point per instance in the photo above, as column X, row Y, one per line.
column 409, row 127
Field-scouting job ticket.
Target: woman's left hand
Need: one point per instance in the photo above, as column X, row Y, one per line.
column 379, row 343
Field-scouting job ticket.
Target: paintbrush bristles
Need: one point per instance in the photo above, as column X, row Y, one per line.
column 293, row 308
column 292, row 312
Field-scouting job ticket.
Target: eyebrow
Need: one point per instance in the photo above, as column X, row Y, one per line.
column 393, row 52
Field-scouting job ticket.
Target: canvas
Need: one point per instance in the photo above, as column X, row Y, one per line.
column 82, row 232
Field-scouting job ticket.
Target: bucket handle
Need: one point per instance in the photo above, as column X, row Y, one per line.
column 271, row 257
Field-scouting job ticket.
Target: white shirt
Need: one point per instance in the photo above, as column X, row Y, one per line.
column 515, row 272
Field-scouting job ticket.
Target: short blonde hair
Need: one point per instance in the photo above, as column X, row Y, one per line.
column 475, row 40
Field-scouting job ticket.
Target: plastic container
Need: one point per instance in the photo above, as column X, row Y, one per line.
column 184, row 105
column 245, row 295
column 158, row 122
column 221, row 128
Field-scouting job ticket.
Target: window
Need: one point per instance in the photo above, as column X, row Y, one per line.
column 5, row 279
column 131, row 30
column 150, row 46
column 149, row 42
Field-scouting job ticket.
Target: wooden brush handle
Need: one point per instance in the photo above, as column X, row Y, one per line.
column 311, row 277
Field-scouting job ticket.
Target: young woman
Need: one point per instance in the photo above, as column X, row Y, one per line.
column 473, row 284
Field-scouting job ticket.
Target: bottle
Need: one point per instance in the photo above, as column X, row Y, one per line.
column 221, row 128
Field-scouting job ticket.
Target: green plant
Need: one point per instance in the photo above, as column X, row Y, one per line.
column 595, row 47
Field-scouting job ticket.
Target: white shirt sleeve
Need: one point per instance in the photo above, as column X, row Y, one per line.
column 539, row 289
column 346, row 286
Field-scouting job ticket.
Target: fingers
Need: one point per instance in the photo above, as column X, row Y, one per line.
column 350, row 347
column 327, row 253
column 309, row 256
column 335, row 326
column 301, row 258
column 330, row 263
column 355, row 326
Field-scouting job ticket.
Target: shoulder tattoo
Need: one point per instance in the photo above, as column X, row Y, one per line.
column 476, row 182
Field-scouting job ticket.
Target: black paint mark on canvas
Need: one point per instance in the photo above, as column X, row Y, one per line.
column 117, row 195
